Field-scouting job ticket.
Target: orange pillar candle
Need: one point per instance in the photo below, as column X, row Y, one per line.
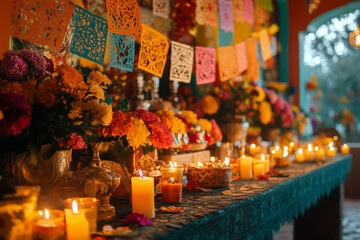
column 143, row 195
column 345, row 149
column 299, row 155
column 309, row 153
column 245, row 168
column 258, row 170
column 330, row 152
column 49, row 225
column 319, row 153
column 265, row 162
column 77, row 227
column 171, row 192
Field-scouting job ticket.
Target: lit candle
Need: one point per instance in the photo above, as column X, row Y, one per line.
column 345, row 149
column 212, row 159
column 277, row 153
column 143, row 195
column 77, row 227
column 319, row 153
column 309, row 153
column 227, row 162
column 245, row 168
column 264, row 162
column 49, row 225
column 299, row 155
column 253, row 149
column 258, row 170
column 171, row 192
column 291, row 146
column 330, row 152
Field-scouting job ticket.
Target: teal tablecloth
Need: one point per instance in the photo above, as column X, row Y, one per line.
column 255, row 209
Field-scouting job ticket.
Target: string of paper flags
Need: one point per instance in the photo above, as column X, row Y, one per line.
column 123, row 25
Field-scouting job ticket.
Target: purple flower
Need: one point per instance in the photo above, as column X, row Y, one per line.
column 17, row 115
column 13, row 67
column 37, row 63
column 137, row 218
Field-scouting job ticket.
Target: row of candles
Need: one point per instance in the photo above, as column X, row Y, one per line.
column 80, row 218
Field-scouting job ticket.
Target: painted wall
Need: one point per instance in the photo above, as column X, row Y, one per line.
column 5, row 14
column 299, row 18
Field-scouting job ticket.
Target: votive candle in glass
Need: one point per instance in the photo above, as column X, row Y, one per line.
column 171, row 192
column 345, row 149
column 89, row 206
column 143, row 195
column 77, row 226
column 174, row 171
column 48, row 225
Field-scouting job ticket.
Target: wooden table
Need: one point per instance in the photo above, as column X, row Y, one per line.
column 256, row 208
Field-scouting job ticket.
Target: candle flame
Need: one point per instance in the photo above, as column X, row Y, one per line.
column 41, row 213
column 316, row 148
column 300, row 151
column 332, row 149
column 273, row 151
column 277, row 148
column 262, row 157
column 286, row 148
column 141, row 174
column 252, row 145
column 331, row 144
column 309, row 147
column 243, row 156
column 171, row 164
column 175, row 164
column 227, row 161
column 345, row 146
column 212, row 159
column 47, row 214
column 335, row 138
column 285, row 153
column 172, row 180
column 75, row 207
column 292, row 144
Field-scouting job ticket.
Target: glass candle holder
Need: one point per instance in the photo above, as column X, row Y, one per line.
column 169, row 172
column 171, row 192
column 48, row 225
column 89, row 206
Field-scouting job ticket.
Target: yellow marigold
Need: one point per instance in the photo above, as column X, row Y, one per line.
column 93, row 111
column 205, row 124
column 209, row 105
column 98, row 78
column 72, row 81
column 179, row 126
column 260, row 94
column 95, row 90
column 138, row 134
column 265, row 112
column 46, row 93
column 190, row 116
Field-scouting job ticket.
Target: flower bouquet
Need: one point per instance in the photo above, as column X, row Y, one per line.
column 44, row 108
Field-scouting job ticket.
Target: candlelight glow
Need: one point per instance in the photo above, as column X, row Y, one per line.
column 332, row 149
column 277, row 148
column 75, row 207
column 262, row 157
column 345, row 146
column 243, row 156
column 285, row 153
column 212, row 159
column 273, row 151
column 171, row 164
column 47, row 214
column 316, row 148
column 227, row 161
column 292, row 144
column 172, row 180
column 331, row 144
column 286, row 148
column 141, row 174
column 200, row 164
column 252, row 145
column 175, row 164
column 300, row 151
column 41, row 213
column 310, row 147
column 335, row 138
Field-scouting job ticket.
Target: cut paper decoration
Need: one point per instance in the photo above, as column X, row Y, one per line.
column 90, row 35
column 122, row 51
column 265, row 44
column 211, row 12
column 268, row 6
column 241, row 56
column 228, row 67
column 124, row 17
column 199, row 12
column 258, row 52
column 182, row 59
column 205, row 65
column 273, row 44
column 161, row 8
column 226, row 18
column 249, row 11
column 153, row 51
column 253, row 63
column 41, row 22
column 238, row 10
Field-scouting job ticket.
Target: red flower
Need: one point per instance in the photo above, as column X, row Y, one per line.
column 160, row 135
column 74, row 141
column 251, row 114
column 137, row 218
column 120, row 125
column 17, row 115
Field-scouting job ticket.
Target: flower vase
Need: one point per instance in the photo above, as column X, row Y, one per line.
column 98, row 181
column 235, row 131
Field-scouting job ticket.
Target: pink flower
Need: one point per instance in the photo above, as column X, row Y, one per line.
column 74, row 141
column 17, row 115
column 146, row 116
column 271, row 95
column 193, row 137
column 137, row 218
column 226, row 96
column 278, row 105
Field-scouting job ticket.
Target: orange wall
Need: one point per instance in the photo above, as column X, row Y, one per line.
column 299, row 18
column 5, row 17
